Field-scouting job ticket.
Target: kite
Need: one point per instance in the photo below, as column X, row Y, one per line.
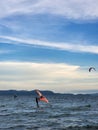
column 91, row 68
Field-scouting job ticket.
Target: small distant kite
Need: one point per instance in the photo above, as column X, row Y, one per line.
column 92, row 68
column 40, row 97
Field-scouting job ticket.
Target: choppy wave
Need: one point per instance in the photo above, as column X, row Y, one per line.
column 63, row 113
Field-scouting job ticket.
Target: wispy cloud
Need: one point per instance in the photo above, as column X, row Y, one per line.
column 55, row 76
column 71, row 9
column 60, row 46
column 26, row 75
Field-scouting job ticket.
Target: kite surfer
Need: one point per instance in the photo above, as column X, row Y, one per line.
column 40, row 98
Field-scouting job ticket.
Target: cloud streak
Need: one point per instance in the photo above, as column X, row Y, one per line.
column 19, row 75
column 52, row 45
column 54, row 76
column 72, row 9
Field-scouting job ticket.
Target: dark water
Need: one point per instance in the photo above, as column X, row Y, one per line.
column 63, row 113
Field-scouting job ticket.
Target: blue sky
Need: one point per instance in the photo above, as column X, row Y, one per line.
column 50, row 45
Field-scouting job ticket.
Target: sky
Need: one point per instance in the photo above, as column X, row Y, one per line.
column 49, row 45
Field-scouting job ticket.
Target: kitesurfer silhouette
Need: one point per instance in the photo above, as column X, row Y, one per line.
column 40, row 98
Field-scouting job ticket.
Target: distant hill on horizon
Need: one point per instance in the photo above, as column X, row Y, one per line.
column 44, row 92
column 24, row 92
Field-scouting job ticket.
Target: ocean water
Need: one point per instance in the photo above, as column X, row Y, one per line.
column 78, row 112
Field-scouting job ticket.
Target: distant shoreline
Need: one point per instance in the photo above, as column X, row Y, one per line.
column 45, row 92
column 23, row 92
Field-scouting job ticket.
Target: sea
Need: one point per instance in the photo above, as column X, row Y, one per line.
column 63, row 112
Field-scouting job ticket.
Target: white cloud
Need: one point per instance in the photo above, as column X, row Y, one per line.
column 18, row 75
column 71, row 9
column 51, row 76
column 60, row 46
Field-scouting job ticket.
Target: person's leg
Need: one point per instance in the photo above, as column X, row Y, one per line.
column 37, row 102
